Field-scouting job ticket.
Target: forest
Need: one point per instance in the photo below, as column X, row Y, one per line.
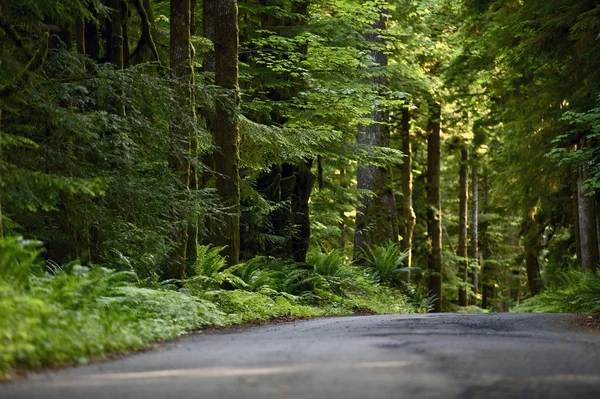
column 171, row 165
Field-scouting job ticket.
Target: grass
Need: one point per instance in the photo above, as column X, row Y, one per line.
column 51, row 315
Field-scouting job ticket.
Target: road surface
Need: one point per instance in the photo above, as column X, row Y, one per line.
column 396, row 356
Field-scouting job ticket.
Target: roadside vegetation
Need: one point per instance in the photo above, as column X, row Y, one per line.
column 52, row 315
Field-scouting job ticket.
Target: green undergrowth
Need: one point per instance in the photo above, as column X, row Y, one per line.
column 573, row 293
column 52, row 315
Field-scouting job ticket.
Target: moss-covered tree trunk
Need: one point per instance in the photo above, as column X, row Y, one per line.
column 434, row 209
column 588, row 230
column 463, row 196
column 376, row 216
column 408, row 217
column 181, row 126
column 145, row 50
column 488, row 288
column 227, row 137
column 474, row 234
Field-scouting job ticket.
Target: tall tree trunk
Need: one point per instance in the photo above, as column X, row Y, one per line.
column 576, row 227
column 376, row 217
column 487, row 288
column 181, row 65
column 532, row 230
column 80, row 35
column 463, row 196
column 208, row 31
column 587, row 223
column 434, row 209
column 114, row 35
column 227, row 137
column 475, row 234
column 407, row 225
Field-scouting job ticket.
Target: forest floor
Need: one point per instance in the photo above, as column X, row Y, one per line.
column 413, row 356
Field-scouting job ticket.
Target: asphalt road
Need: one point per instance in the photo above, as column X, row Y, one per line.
column 397, row 356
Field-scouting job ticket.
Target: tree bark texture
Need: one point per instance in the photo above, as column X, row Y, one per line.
column 376, row 217
column 532, row 230
column 488, row 288
column 408, row 221
column 181, row 129
column 145, row 50
column 434, row 209
column 588, row 230
column 227, row 138
column 463, row 197
column 80, row 35
column 474, row 234
column 114, row 34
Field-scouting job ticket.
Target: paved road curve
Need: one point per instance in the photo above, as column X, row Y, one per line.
column 399, row 356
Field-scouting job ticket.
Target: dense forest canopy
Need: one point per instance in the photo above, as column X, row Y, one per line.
column 459, row 139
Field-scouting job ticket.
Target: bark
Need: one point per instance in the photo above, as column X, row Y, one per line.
column 463, row 196
column 474, row 234
column 208, row 31
column 532, row 230
column 80, row 35
column 588, row 231
column 407, row 225
column 114, row 35
column 181, row 65
column 488, row 288
column 125, row 27
column 227, row 137
column 300, row 209
column 145, row 50
column 376, row 217
column 434, row 209
column 576, row 227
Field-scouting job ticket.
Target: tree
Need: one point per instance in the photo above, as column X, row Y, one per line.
column 376, row 217
column 434, row 212
column 462, row 228
column 227, row 139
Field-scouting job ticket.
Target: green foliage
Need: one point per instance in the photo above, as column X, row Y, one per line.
column 387, row 261
column 78, row 312
column 575, row 293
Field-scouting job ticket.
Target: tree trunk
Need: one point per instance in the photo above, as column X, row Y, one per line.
column 434, row 209
column 576, row 227
column 181, row 65
column 145, row 50
column 227, row 127
column 488, row 287
column 531, row 231
column 376, row 217
column 463, row 196
column 475, row 235
column 208, row 31
column 80, row 35
column 587, row 223
column 407, row 225
column 114, row 33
